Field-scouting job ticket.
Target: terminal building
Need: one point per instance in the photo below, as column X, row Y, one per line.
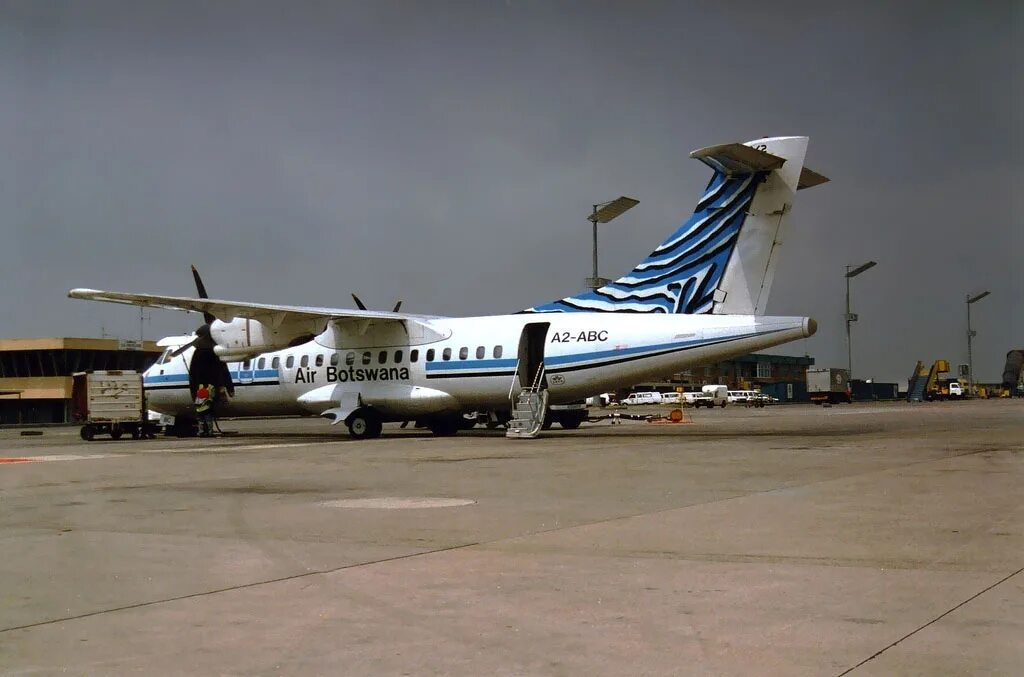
column 781, row 376
column 35, row 373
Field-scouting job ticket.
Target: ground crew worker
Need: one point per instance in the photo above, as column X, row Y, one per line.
column 204, row 409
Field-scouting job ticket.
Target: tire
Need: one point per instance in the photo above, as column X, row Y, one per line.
column 723, row 405
column 87, row 433
column 445, row 427
column 116, row 432
column 364, row 424
column 570, row 423
column 136, row 434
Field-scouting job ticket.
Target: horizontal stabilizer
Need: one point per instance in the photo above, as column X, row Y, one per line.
column 810, row 178
column 737, row 159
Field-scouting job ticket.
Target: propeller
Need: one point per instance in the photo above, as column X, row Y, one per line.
column 362, row 306
column 201, row 288
column 205, row 367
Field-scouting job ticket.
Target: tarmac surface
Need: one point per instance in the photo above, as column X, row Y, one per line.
column 865, row 539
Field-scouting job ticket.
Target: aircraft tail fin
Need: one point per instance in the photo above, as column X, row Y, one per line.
column 722, row 259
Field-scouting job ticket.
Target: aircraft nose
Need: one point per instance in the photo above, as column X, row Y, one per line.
column 810, row 326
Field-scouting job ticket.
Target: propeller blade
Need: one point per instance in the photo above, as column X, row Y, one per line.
column 398, row 306
column 359, row 303
column 201, row 288
column 181, row 349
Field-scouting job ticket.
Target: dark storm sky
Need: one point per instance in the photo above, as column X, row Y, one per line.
column 447, row 154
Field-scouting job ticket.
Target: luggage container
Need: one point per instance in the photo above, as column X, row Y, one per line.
column 110, row 403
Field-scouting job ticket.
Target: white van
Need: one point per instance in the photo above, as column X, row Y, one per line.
column 649, row 397
column 708, row 397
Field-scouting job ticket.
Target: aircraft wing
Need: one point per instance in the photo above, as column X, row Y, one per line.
column 228, row 310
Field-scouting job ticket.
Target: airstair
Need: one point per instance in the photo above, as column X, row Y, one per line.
column 530, row 407
column 917, row 383
column 923, row 383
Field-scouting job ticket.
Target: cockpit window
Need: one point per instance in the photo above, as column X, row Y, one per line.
column 166, row 357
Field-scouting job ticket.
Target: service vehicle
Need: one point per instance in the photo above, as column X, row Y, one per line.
column 946, row 389
column 648, row 397
column 709, row 396
column 111, row 403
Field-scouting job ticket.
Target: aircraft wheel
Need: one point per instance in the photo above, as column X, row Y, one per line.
column 570, row 423
column 445, row 427
column 87, row 433
column 364, row 424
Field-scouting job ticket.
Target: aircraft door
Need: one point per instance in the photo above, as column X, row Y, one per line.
column 531, row 352
column 245, row 371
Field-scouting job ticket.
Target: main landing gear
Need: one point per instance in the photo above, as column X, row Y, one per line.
column 364, row 423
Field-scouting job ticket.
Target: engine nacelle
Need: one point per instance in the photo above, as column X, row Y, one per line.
column 244, row 337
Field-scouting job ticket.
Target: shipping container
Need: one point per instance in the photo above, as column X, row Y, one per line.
column 828, row 385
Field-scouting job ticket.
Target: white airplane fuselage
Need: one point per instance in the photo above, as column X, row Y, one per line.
column 474, row 367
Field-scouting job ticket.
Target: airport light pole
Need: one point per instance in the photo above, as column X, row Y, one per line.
column 970, row 335
column 852, row 317
column 603, row 213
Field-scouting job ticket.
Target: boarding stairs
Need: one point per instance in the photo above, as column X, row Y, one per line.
column 917, row 383
column 530, row 407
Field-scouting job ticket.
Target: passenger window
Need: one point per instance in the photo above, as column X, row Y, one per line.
column 480, row 352
column 335, row 358
column 414, row 355
column 304, row 361
column 275, row 363
column 262, row 363
column 463, row 352
column 366, row 357
column 350, row 359
column 382, row 356
column 290, row 362
column 320, row 360
column 497, row 352
column 398, row 357
column 247, row 365
column 430, row 355
column 446, row 354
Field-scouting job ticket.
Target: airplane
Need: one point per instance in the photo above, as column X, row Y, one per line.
column 699, row 298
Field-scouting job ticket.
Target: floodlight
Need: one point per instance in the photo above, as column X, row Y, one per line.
column 860, row 269
column 603, row 213
column 978, row 297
